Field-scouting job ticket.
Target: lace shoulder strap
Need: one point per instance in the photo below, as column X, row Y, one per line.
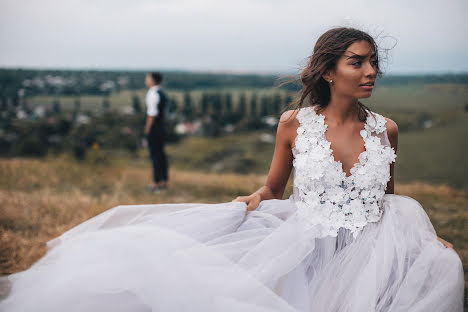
column 311, row 122
column 306, row 115
column 310, row 127
column 376, row 123
column 377, row 126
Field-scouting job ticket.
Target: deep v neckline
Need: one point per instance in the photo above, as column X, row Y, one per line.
column 363, row 133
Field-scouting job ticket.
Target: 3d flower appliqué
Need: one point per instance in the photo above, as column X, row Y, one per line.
column 325, row 197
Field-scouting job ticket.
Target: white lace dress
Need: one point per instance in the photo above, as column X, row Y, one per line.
column 338, row 243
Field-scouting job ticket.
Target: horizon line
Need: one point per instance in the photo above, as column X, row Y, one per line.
column 212, row 71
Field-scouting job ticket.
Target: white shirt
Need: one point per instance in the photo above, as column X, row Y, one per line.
column 152, row 101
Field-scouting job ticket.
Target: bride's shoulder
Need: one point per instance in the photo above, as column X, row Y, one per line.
column 294, row 117
column 384, row 123
column 289, row 118
column 391, row 127
column 288, row 125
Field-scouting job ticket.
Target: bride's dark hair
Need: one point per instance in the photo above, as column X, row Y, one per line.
column 329, row 47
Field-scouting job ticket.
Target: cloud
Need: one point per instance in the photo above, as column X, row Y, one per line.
column 207, row 34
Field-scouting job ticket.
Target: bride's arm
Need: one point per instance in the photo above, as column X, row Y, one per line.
column 281, row 164
column 392, row 133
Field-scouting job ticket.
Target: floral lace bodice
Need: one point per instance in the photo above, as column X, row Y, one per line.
column 327, row 199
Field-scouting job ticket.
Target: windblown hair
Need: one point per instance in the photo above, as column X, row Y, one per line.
column 328, row 49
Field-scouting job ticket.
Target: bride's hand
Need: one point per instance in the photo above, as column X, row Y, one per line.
column 446, row 244
column 252, row 200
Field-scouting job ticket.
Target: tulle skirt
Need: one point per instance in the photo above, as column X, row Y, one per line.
column 219, row 257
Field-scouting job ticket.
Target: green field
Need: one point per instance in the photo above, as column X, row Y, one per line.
column 124, row 98
column 434, row 155
column 386, row 99
column 419, row 97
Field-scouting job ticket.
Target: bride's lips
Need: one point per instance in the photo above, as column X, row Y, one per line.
column 369, row 88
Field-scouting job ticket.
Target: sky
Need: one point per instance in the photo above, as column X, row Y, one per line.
column 218, row 35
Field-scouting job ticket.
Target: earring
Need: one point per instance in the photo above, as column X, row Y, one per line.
column 331, row 80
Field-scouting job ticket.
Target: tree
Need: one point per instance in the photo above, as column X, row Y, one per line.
column 228, row 103
column 253, row 105
column 105, row 103
column 56, row 109
column 136, row 104
column 26, row 107
column 242, row 104
column 15, row 100
column 173, row 105
column 287, row 101
column 216, row 103
column 276, row 103
column 77, row 104
column 264, row 105
column 187, row 110
column 76, row 107
column 205, row 102
column 3, row 102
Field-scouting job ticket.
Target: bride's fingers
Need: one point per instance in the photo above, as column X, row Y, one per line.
column 240, row 198
column 445, row 243
column 448, row 245
column 253, row 204
column 251, row 207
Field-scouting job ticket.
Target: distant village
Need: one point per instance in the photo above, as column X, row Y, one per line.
column 29, row 126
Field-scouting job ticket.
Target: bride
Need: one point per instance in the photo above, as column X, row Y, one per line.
column 343, row 241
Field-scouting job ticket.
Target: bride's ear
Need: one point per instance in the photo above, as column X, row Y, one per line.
column 327, row 76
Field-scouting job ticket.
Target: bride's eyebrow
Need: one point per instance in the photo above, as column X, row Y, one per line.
column 359, row 57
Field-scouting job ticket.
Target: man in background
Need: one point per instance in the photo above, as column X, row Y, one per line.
column 155, row 131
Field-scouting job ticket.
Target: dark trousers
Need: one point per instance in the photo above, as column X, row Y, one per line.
column 156, row 138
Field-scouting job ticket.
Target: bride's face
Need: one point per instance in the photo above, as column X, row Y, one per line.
column 357, row 66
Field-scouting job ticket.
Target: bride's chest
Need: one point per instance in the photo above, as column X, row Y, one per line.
column 313, row 161
column 316, row 167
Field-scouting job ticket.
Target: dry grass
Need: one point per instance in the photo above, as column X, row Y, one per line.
column 42, row 198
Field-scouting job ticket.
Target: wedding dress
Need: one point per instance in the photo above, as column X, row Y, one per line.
column 338, row 243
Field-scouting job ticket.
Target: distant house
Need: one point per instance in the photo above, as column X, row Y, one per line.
column 188, row 127
column 82, row 119
column 108, row 85
column 21, row 114
column 127, row 110
column 39, row 111
column 270, row 120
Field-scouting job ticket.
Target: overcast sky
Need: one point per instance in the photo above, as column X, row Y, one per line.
column 218, row 35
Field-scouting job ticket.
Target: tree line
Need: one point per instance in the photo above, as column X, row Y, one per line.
column 27, row 133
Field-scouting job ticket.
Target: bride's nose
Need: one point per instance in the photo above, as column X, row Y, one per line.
column 370, row 70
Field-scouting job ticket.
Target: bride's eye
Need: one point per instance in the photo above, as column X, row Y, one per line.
column 356, row 63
